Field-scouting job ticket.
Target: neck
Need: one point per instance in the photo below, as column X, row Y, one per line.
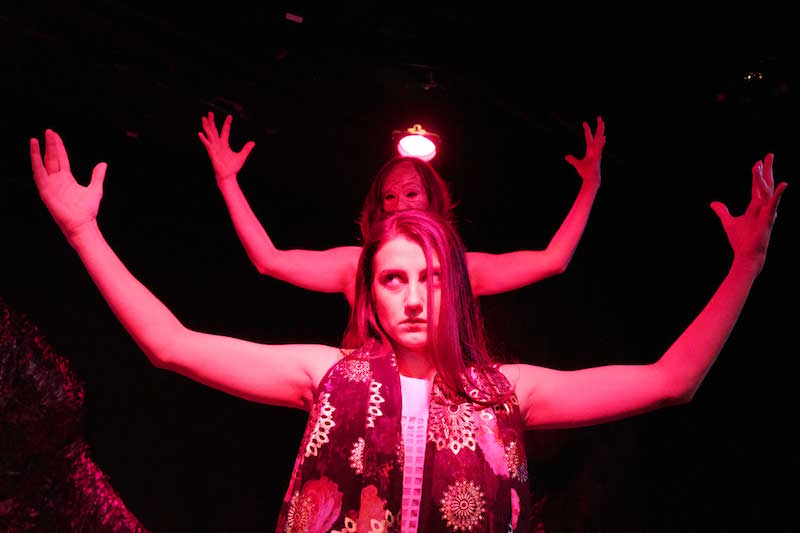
column 414, row 363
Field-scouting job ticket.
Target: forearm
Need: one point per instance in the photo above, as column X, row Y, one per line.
column 254, row 238
column 497, row 273
column 330, row 270
column 690, row 357
column 151, row 325
column 562, row 246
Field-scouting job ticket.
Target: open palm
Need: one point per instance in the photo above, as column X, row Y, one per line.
column 749, row 233
column 72, row 205
column 225, row 161
column 589, row 166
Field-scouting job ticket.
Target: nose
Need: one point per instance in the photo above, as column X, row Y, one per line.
column 404, row 203
column 390, row 206
column 415, row 299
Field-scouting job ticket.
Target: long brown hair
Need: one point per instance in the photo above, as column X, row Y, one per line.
column 439, row 200
column 459, row 342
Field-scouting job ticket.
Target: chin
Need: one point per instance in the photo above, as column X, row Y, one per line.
column 412, row 341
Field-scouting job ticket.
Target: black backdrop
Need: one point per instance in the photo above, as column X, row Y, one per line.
column 507, row 91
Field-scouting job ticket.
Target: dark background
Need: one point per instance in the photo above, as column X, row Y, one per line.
column 507, row 89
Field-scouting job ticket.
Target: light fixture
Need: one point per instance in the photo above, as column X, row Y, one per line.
column 417, row 142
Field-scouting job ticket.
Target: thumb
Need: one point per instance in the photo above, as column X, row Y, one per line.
column 722, row 212
column 571, row 160
column 98, row 176
column 247, row 148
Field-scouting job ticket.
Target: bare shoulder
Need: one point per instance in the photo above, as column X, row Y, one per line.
column 319, row 360
column 524, row 377
column 511, row 372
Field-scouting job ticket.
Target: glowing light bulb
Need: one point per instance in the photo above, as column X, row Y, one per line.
column 416, row 142
column 417, row 146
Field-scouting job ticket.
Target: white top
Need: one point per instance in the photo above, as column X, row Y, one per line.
column 416, row 399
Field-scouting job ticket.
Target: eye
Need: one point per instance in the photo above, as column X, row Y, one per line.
column 437, row 278
column 389, row 197
column 412, row 194
column 392, row 280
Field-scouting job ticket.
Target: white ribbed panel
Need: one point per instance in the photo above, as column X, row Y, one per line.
column 416, row 398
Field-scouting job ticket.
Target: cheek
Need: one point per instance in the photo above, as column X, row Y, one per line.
column 422, row 202
column 435, row 308
column 382, row 307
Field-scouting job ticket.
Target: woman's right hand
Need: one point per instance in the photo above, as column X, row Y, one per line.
column 225, row 161
column 73, row 206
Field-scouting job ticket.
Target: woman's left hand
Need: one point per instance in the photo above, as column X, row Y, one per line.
column 589, row 167
column 749, row 233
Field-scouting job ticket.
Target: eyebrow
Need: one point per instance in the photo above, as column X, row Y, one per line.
column 385, row 271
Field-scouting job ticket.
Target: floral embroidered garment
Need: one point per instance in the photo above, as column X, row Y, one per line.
column 349, row 469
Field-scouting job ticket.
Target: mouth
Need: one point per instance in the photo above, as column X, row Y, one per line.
column 413, row 321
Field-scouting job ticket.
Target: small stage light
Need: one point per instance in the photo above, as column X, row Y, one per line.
column 416, row 142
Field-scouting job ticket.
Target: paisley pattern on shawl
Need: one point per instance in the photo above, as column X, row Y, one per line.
column 349, row 470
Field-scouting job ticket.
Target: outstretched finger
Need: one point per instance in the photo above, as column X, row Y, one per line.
column 204, row 140
column 587, row 133
column 226, row 129
column 572, row 160
column 776, row 198
column 51, row 163
column 36, row 160
column 768, row 171
column 60, row 151
column 601, row 127
column 757, row 188
column 210, row 128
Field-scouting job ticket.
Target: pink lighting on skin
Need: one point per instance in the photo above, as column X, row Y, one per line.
column 416, row 142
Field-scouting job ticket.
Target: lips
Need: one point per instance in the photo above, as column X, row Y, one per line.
column 413, row 321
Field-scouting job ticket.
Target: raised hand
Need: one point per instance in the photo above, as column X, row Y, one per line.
column 72, row 205
column 589, row 167
column 225, row 161
column 749, row 232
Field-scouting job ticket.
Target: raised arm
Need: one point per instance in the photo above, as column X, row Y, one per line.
column 496, row 273
column 550, row 398
column 281, row 374
column 324, row 271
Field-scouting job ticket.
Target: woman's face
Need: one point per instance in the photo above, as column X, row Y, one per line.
column 403, row 189
column 400, row 292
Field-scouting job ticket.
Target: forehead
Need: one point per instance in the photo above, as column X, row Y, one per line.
column 401, row 253
column 401, row 176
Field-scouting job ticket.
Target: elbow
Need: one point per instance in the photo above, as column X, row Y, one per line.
column 266, row 264
column 161, row 350
column 560, row 267
column 157, row 356
column 685, row 396
column 680, row 394
column 674, row 391
column 558, row 261
column 260, row 262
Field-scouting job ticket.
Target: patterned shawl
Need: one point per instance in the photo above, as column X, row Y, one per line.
column 348, row 474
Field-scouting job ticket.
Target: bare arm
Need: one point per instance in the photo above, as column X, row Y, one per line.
column 324, row 271
column 551, row 398
column 496, row 273
column 284, row 375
